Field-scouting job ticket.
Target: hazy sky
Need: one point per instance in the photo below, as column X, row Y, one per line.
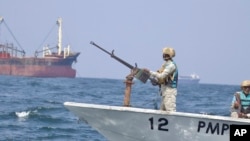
column 211, row 37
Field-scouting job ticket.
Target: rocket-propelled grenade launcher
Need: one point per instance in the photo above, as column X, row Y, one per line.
column 140, row 74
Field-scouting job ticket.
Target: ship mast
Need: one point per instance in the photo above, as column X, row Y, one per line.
column 59, row 44
column 1, row 19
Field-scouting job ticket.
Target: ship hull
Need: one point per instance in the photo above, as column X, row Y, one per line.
column 38, row 67
column 37, row 71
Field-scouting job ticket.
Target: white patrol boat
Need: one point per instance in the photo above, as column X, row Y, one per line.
column 125, row 123
column 118, row 123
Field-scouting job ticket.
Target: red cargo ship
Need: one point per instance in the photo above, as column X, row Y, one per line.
column 51, row 64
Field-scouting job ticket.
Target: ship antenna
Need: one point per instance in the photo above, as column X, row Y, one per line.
column 59, row 45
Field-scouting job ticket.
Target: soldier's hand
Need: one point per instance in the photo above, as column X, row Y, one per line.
column 236, row 105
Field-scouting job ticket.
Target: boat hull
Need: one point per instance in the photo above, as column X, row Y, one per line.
column 136, row 124
column 37, row 71
column 38, row 67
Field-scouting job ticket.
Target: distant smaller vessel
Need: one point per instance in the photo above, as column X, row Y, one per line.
column 189, row 79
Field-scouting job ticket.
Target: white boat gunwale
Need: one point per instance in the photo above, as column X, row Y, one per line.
column 152, row 111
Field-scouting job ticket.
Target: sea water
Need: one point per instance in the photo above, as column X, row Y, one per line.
column 32, row 108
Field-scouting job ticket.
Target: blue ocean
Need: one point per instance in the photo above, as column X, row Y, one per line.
column 32, row 108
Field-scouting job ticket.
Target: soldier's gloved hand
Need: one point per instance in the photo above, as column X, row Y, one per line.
column 154, row 81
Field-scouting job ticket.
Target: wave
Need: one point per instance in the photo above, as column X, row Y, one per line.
column 23, row 114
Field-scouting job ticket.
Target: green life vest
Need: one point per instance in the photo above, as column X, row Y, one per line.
column 244, row 102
